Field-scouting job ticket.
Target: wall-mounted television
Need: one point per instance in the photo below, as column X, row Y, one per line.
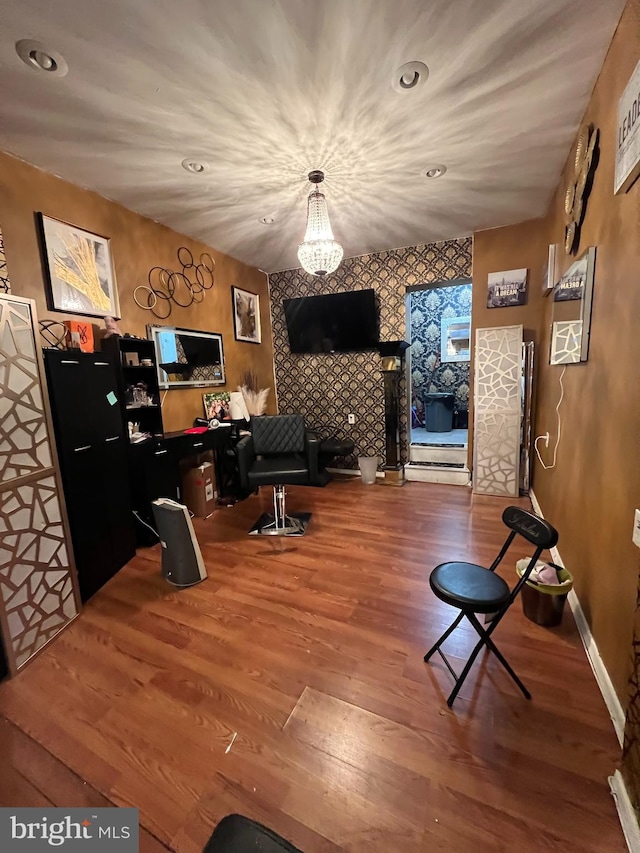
column 334, row 322
column 186, row 358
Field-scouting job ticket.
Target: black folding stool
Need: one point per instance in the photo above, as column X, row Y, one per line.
column 474, row 590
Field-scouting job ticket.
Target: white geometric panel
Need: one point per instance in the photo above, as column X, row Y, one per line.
column 35, row 582
column 497, row 408
column 37, row 593
column 24, row 442
column 498, row 368
column 497, row 440
column 566, row 342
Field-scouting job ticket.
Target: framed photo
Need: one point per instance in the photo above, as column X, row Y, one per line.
column 216, row 405
column 507, row 288
column 246, row 316
column 81, row 278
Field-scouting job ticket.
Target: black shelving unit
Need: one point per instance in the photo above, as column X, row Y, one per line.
column 92, row 449
column 131, row 375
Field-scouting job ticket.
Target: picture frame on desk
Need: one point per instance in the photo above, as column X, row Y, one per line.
column 246, row 316
column 80, row 275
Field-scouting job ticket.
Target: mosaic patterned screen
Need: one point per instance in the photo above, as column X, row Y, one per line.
column 497, row 415
column 36, row 590
column 326, row 388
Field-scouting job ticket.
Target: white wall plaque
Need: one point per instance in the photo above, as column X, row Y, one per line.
column 628, row 134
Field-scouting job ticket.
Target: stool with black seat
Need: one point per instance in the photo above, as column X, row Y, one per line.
column 476, row 590
column 238, row 834
column 279, row 452
column 330, row 448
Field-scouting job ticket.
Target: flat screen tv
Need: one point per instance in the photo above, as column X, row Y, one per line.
column 335, row 322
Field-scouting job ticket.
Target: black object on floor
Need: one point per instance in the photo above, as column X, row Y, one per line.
column 237, row 834
column 438, row 407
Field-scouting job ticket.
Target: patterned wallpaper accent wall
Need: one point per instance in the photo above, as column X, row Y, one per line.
column 325, row 388
column 428, row 308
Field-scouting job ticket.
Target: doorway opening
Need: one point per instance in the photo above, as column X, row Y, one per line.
column 439, row 330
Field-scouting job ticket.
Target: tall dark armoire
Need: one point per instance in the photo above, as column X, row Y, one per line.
column 92, row 448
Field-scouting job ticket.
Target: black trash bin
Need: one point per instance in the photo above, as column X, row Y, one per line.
column 438, row 407
column 544, row 603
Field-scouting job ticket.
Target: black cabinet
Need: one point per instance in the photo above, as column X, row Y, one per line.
column 92, row 450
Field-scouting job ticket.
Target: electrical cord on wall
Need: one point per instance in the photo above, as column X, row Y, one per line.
column 540, row 437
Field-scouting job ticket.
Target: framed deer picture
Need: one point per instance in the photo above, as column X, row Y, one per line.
column 246, row 316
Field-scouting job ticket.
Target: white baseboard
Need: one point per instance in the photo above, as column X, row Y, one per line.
column 605, row 684
column 626, row 812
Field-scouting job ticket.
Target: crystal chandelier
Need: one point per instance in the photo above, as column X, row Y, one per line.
column 319, row 253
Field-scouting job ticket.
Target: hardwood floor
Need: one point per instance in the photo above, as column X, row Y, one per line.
column 290, row 687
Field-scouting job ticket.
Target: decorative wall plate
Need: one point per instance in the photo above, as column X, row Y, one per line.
column 569, row 198
column 581, row 150
column 570, row 237
column 576, row 195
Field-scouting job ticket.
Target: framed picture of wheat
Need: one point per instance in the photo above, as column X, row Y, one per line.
column 81, row 278
column 246, row 316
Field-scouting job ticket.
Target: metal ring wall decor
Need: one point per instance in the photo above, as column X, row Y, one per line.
column 183, row 288
column 54, row 332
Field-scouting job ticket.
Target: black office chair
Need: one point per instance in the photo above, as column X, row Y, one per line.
column 475, row 589
column 279, row 452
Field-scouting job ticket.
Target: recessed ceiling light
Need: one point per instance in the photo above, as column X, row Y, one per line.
column 41, row 58
column 410, row 76
column 196, row 167
column 267, row 220
column 436, row 171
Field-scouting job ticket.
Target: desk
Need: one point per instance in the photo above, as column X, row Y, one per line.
column 154, row 469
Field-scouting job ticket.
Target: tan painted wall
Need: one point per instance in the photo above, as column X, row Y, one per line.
column 514, row 247
column 137, row 244
column 592, row 492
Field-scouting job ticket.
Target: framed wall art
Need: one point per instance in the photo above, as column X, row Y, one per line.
column 79, row 267
column 507, row 288
column 628, row 135
column 246, row 316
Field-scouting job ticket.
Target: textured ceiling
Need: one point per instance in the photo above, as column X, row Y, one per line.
column 265, row 90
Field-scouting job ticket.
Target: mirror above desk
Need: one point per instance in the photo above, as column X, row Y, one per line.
column 571, row 314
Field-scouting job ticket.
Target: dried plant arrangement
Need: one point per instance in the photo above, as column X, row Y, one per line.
column 255, row 397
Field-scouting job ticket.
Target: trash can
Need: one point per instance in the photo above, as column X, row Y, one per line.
column 368, row 466
column 438, row 408
column 544, row 603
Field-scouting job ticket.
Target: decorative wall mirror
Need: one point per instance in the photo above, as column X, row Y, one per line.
column 186, row 358
column 571, row 319
column 455, row 336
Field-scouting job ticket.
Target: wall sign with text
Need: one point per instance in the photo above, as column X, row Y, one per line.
column 628, row 134
column 507, row 289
